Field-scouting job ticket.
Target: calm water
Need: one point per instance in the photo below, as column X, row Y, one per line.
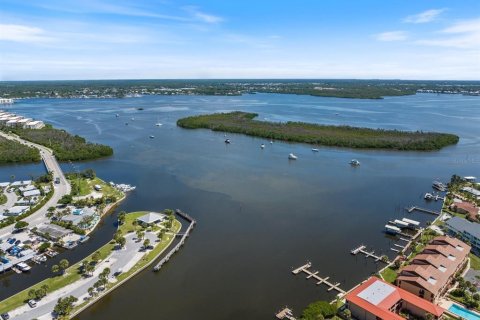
column 258, row 214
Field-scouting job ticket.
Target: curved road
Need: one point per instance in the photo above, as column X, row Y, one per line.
column 60, row 189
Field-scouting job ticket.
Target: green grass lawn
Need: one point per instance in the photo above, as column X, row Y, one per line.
column 474, row 262
column 389, row 275
column 86, row 186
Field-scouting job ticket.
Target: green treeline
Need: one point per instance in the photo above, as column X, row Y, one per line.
column 65, row 146
column 327, row 135
column 13, row 151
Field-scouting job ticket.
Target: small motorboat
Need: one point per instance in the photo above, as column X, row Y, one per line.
column 291, row 156
column 117, row 115
column 262, row 146
column 133, row 119
column 271, row 141
column 151, row 137
column 355, row 162
column 158, row 124
column 227, row 141
column 428, row 196
column 315, row 150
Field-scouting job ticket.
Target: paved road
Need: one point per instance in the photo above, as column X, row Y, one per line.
column 11, row 199
column 123, row 259
column 60, row 189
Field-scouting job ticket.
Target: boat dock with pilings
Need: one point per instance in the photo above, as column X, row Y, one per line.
column 415, row 208
column 184, row 236
column 314, row 275
column 362, row 249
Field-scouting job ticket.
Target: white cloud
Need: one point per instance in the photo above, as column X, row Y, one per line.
column 202, row 16
column 424, row 17
column 22, row 33
column 463, row 34
column 391, row 36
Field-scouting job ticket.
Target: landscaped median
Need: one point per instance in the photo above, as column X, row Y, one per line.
column 74, row 273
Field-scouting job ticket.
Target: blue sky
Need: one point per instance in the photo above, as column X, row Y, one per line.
column 127, row 39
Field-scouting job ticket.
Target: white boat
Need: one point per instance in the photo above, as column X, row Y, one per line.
column 117, row 115
column 23, row 266
column 354, row 162
column 262, row 146
column 271, row 141
column 439, row 186
column 227, row 141
column 428, row 196
column 315, row 150
column 158, row 124
column 291, row 156
column 151, row 137
column 133, row 119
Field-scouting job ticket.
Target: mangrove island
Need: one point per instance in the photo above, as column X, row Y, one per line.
column 327, row 135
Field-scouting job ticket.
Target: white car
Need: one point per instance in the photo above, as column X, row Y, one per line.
column 32, row 303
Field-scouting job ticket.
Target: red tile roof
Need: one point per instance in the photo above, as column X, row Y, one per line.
column 381, row 309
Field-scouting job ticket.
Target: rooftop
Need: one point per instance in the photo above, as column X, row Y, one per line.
column 377, row 297
column 463, row 225
column 151, row 217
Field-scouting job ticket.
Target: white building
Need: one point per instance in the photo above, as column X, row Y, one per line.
column 6, row 101
column 16, row 211
column 23, row 122
column 31, row 193
column 35, row 125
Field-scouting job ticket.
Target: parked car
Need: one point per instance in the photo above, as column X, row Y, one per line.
column 32, row 303
column 57, row 180
column 5, row 316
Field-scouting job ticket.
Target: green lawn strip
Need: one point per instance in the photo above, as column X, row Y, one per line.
column 474, row 262
column 389, row 275
column 71, row 275
column 3, row 199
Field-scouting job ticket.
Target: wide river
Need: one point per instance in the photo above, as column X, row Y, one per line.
column 258, row 213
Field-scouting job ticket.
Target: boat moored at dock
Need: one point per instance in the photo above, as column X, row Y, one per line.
column 439, row 185
column 392, row 229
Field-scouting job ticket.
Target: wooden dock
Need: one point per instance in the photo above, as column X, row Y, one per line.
column 285, row 313
column 314, row 274
column 362, row 249
column 181, row 242
column 415, row 208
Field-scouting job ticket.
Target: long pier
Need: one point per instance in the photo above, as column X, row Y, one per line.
column 362, row 249
column 321, row 280
column 415, row 208
column 177, row 247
